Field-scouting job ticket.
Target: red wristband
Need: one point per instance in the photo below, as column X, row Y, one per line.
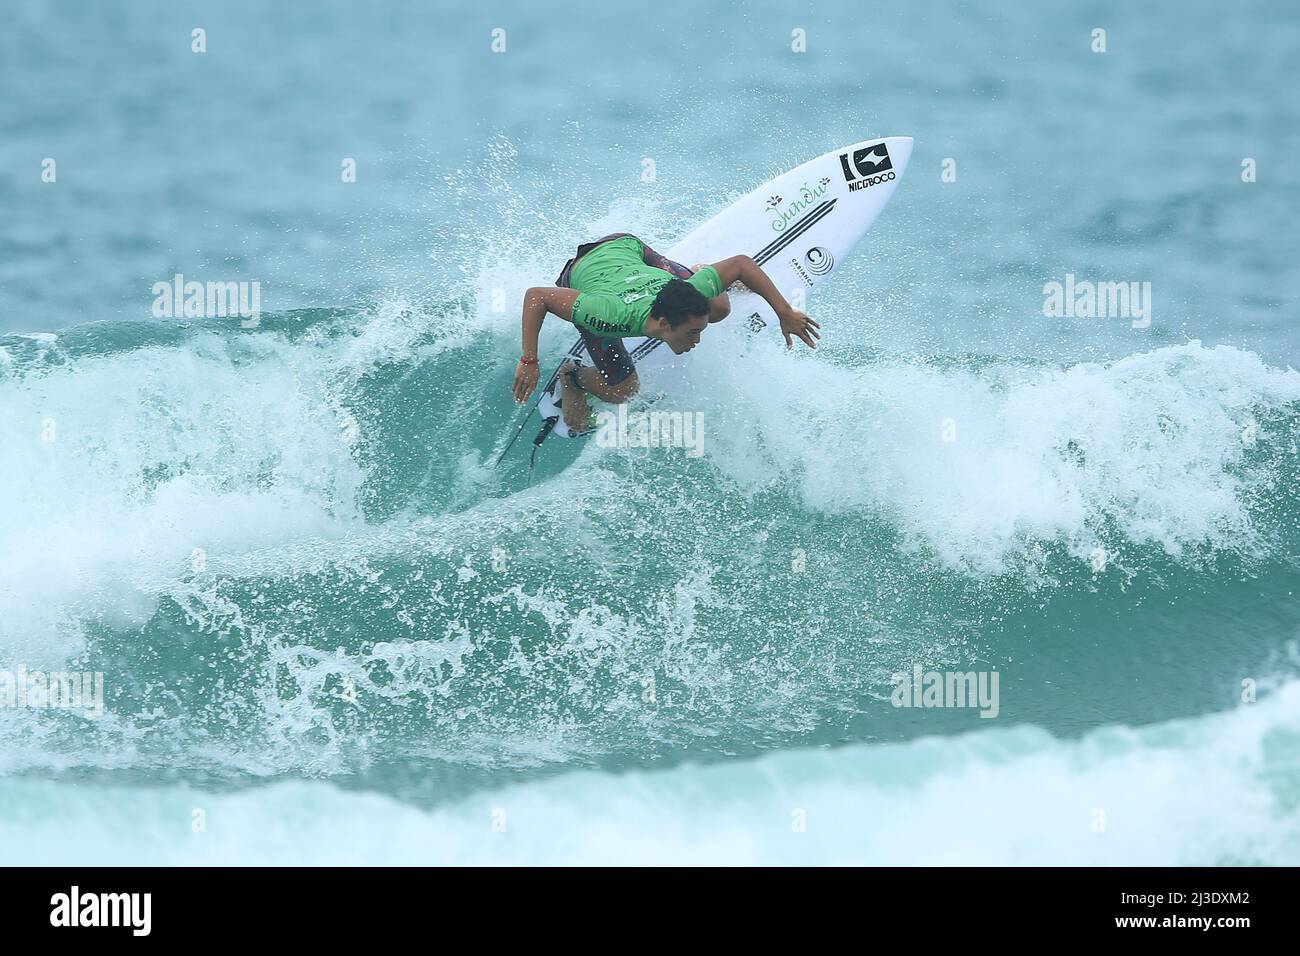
column 525, row 360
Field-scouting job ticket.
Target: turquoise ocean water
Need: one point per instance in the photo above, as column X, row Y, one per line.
column 331, row 631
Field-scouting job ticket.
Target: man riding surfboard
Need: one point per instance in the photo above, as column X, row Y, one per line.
column 618, row 287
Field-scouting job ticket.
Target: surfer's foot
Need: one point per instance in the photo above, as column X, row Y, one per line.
column 577, row 413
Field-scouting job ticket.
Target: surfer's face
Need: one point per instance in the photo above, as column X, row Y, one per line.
column 687, row 335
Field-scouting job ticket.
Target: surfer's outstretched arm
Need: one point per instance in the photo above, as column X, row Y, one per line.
column 537, row 302
column 793, row 322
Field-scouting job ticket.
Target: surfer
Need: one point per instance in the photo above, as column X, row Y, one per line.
column 618, row 287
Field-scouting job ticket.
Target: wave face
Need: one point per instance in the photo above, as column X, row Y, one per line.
column 307, row 563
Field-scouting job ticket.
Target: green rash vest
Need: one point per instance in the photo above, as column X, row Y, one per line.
column 617, row 288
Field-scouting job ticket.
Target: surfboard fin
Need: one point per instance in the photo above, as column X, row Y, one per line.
column 537, row 444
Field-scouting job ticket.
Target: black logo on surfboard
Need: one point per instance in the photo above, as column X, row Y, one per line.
column 867, row 166
column 819, row 260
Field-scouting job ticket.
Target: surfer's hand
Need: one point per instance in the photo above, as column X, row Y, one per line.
column 525, row 381
column 795, row 322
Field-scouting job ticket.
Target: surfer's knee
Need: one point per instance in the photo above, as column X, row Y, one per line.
column 624, row 390
column 719, row 307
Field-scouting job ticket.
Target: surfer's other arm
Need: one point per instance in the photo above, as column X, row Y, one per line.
column 537, row 302
column 793, row 322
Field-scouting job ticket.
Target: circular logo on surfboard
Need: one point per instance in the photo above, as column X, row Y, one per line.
column 819, row 260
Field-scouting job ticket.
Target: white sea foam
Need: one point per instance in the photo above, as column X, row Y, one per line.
column 981, row 467
column 1119, row 796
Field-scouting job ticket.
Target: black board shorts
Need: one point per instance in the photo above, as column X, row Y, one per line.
column 608, row 355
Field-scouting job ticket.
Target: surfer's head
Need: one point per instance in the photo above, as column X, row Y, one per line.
column 679, row 314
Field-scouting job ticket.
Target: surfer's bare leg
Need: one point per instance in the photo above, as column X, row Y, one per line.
column 574, row 403
column 577, row 410
column 614, row 394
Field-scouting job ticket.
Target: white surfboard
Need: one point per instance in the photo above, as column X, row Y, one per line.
column 799, row 228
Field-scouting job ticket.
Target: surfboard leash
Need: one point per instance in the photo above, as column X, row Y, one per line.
column 541, row 437
column 519, row 431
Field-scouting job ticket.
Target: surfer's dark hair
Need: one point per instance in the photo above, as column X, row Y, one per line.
column 679, row 301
